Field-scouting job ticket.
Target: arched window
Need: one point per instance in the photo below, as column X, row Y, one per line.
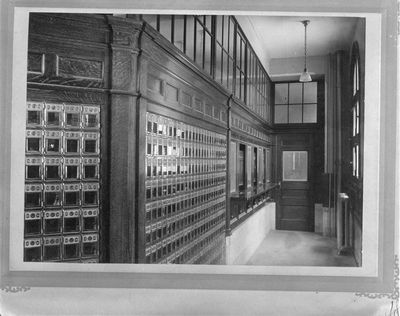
column 356, row 136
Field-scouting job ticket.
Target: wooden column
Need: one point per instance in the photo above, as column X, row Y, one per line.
column 124, row 95
column 228, row 167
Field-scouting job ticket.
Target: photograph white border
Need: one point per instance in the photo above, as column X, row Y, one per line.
column 373, row 179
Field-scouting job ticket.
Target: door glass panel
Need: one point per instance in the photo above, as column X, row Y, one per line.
column 294, row 166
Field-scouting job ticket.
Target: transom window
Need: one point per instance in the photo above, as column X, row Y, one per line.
column 295, row 102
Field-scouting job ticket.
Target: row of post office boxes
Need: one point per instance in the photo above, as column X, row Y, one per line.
column 210, row 247
column 186, row 183
column 169, row 128
column 183, row 246
column 209, row 243
column 61, row 168
column 39, row 195
column 161, row 189
column 167, row 167
column 170, row 208
column 61, row 221
column 161, row 230
column 50, row 142
column 62, row 115
column 157, row 146
column 60, row 248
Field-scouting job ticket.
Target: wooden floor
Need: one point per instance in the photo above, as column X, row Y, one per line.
column 294, row 248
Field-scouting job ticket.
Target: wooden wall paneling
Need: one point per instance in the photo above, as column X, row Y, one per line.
column 211, row 125
column 104, row 222
column 141, row 182
column 161, row 49
column 73, row 50
column 140, row 215
column 228, row 173
column 166, row 90
column 59, row 37
column 178, row 91
column 123, row 149
column 66, row 94
column 170, row 65
column 86, row 28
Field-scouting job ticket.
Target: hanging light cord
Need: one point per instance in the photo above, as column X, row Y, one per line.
column 305, row 43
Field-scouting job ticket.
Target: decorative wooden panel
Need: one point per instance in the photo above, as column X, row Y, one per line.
column 154, row 84
column 186, row 99
column 36, row 62
column 82, row 27
column 80, row 68
column 171, row 93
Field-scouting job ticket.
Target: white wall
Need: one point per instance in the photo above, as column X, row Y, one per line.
column 294, row 66
column 246, row 238
column 97, row 301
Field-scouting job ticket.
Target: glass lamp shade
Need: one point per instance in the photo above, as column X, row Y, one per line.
column 305, row 76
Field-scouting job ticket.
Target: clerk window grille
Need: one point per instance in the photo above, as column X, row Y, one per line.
column 218, row 46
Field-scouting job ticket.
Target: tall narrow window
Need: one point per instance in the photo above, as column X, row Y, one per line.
column 355, row 139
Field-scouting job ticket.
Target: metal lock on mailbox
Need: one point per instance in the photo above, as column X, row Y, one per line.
column 90, row 193
column 34, row 141
column 33, row 221
column 33, row 168
column 33, row 249
column 72, row 116
column 71, row 221
column 33, row 195
column 89, row 245
column 52, row 141
column 34, row 115
column 72, row 168
column 72, row 143
column 91, row 117
column 53, row 115
column 53, row 168
column 71, row 246
column 90, row 219
column 72, row 194
column 91, row 143
column 52, row 222
column 90, row 168
column 51, row 248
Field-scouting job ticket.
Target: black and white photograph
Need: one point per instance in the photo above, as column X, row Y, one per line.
column 200, row 152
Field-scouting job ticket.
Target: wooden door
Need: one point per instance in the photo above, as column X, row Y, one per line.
column 295, row 202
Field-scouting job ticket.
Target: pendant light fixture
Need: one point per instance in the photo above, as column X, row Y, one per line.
column 305, row 76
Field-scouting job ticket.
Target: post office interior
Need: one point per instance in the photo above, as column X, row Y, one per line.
column 194, row 139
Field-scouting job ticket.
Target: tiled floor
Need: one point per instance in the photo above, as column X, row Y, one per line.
column 294, row 248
